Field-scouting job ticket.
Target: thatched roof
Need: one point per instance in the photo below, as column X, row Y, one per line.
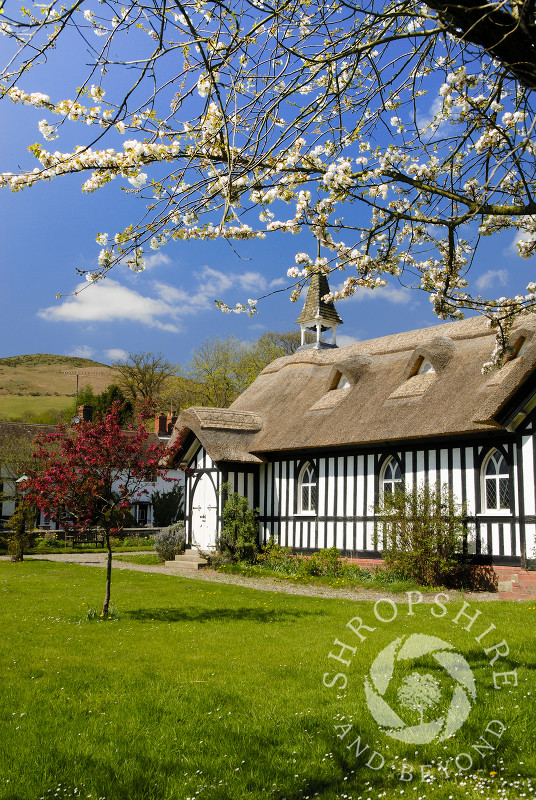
column 294, row 405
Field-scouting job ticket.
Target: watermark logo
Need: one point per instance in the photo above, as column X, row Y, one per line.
column 419, row 691
column 418, row 688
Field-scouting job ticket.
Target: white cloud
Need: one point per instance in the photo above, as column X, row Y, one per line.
column 427, row 117
column 343, row 340
column 493, row 277
column 109, row 301
column 156, row 260
column 116, row 354
column 164, row 308
column 82, row 351
column 278, row 282
column 521, row 235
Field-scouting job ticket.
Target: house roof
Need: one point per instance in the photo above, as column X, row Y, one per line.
column 294, row 405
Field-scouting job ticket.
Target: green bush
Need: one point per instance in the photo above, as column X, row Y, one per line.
column 239, row 538
column 23, row 535
column 422, row 533
column 277, row 558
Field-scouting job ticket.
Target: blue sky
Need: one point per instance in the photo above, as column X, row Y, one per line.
column 49, row 230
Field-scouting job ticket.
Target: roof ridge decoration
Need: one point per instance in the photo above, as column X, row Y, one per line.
column 226, row 419
column 318, row 314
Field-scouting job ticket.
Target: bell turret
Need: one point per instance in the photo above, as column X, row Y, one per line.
column 318, row 315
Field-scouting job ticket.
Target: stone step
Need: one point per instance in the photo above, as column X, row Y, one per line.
column 190, row 566
column 190, row 560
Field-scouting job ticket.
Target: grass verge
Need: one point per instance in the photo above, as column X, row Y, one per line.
column 149, row 559
column 218, row 691
column 379, row 579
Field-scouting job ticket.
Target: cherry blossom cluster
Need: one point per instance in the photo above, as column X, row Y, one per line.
column 396, row 158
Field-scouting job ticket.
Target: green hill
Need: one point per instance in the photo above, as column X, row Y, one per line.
column 44, row 359
column 40, row 386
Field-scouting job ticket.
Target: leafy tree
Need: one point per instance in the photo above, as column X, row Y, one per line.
column 222, row 368
column 399, row 133
column 143, row 375
column 288, row 341
column 423, row 532
column 103, row 402
column 21, row 524
column 168, row 507
column 90, row 474
column 86, row 397
column 239, row 537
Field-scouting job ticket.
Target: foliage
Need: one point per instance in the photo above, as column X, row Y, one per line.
column 288, row 341
column 239, row 537
column 170, row 542
column 21, row 523
column 221, row 369
column 90, row 474
column 422, row 533
column 143, row 375
column 102, row 403
column 412, row 139
column 168, row 507
column 50, row 416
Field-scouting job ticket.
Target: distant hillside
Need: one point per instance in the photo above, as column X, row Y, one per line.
column 45, row 359
column 44, row 383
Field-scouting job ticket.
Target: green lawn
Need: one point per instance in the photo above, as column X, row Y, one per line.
column 151, row 559
column 216, row 691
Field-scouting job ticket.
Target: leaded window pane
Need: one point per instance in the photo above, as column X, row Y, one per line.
column 491, row 468
column 504, row 492
column 308, row 490
column 491, row 493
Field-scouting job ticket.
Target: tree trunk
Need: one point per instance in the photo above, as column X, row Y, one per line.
column 104, row 612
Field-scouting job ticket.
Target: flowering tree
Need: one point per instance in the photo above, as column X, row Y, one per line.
column 90, row 474
column 398, row 133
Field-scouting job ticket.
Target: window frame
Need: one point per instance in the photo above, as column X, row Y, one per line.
column 484, row 479
column 309, row 469
column 387, row 464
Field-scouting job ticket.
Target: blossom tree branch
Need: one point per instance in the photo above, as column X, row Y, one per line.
column 398, row 134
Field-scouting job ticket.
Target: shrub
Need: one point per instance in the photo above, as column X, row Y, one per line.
column 239, row 537
column 168, row 507
column 422, row 533
column 23, row 535
column 277, row 558
column 170, row 541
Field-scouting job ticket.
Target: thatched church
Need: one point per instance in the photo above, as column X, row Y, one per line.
column 320, row 434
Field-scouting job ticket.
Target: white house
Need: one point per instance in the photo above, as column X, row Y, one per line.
column 320, row 434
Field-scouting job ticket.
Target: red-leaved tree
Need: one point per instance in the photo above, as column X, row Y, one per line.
column 90, row 474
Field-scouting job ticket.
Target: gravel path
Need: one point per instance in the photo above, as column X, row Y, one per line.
column 261, row 583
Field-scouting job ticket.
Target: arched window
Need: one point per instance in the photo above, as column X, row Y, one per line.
column 390, row 478
column 307, row 490
column 496, row 482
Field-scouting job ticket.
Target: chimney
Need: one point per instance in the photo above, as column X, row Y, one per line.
column 160, row 425
column 171, row 420
column 85, row 413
